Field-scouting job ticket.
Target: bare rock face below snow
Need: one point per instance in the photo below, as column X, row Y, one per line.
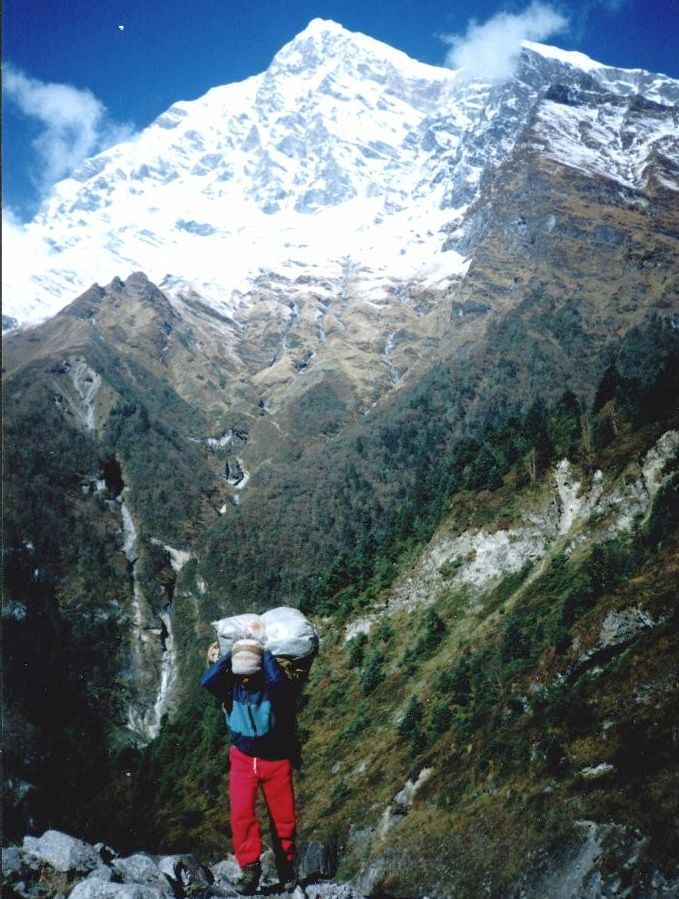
column 78, row 391
column 291, row 336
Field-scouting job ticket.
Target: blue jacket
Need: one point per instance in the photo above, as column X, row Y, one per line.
column 260, row 714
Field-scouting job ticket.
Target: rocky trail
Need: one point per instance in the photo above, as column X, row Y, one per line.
column 57, row 865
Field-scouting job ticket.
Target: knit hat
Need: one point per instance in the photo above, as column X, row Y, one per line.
column 246, row 657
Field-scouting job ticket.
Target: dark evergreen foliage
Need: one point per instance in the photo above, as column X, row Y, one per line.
column 332, row 534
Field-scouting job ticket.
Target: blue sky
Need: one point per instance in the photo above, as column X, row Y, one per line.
column 75, row 80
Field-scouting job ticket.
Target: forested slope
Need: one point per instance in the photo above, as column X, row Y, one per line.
column 494, row 694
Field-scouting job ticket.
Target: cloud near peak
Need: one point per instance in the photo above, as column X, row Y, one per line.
column 490, row 51
column 74, row 123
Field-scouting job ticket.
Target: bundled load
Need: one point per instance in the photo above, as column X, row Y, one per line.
column 285, row 632
column 289, row 633
column 238, row 627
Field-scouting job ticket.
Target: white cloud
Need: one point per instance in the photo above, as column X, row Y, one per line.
column 490, row 51
column 22, row 251
column 74, row 123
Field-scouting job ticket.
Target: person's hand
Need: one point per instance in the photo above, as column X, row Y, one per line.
column 213, row 653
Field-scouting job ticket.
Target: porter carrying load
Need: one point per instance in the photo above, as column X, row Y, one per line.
column 285, row 632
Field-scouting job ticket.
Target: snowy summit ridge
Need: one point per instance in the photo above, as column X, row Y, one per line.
column 345, row 155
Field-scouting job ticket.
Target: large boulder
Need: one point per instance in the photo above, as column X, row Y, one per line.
column 317, row 861
column 144, row 870
column 63, row 852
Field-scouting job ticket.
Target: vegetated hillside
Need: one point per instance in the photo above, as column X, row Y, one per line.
column 323, row 518
column 518, row 665
column 564, row 264
column 516, row 729
column 68, row 604
column 338, row 527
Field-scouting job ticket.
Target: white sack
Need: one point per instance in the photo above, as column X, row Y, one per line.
column 238, row 627
column 289, row 633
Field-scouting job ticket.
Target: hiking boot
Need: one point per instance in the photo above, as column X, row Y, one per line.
column 287, row 875
column 248, row 882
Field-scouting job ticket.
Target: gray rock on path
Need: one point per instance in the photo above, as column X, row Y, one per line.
column 12, row 861
column 332, row 890
column 188, row 875
column 103, row 873
column 318, row 861
column 100, row 871
column 143, row 870
column 100, row 889
column 226, row 872
column 63, row 852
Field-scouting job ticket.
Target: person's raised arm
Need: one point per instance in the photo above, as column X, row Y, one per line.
column 217, row 677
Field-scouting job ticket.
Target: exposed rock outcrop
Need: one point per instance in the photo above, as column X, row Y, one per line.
column 568, row 517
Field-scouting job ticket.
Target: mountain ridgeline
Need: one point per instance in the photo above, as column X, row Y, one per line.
column 452, row 442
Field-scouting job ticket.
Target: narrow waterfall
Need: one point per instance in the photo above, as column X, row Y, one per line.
column 87, row 383
column 152, row 642
column 168, row 667
column 394, row 375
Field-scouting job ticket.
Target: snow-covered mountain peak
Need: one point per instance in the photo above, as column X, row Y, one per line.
column 324, row 43
column 320, row 26
column 344, row 152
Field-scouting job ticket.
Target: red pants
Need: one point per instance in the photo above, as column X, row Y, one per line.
column 275, row 778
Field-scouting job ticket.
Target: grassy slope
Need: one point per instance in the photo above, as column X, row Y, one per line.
column 476, row 676
column 506, row 752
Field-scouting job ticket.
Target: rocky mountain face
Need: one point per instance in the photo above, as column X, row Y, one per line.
column 344, row 160
column 366, row 194
column 400, row 348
